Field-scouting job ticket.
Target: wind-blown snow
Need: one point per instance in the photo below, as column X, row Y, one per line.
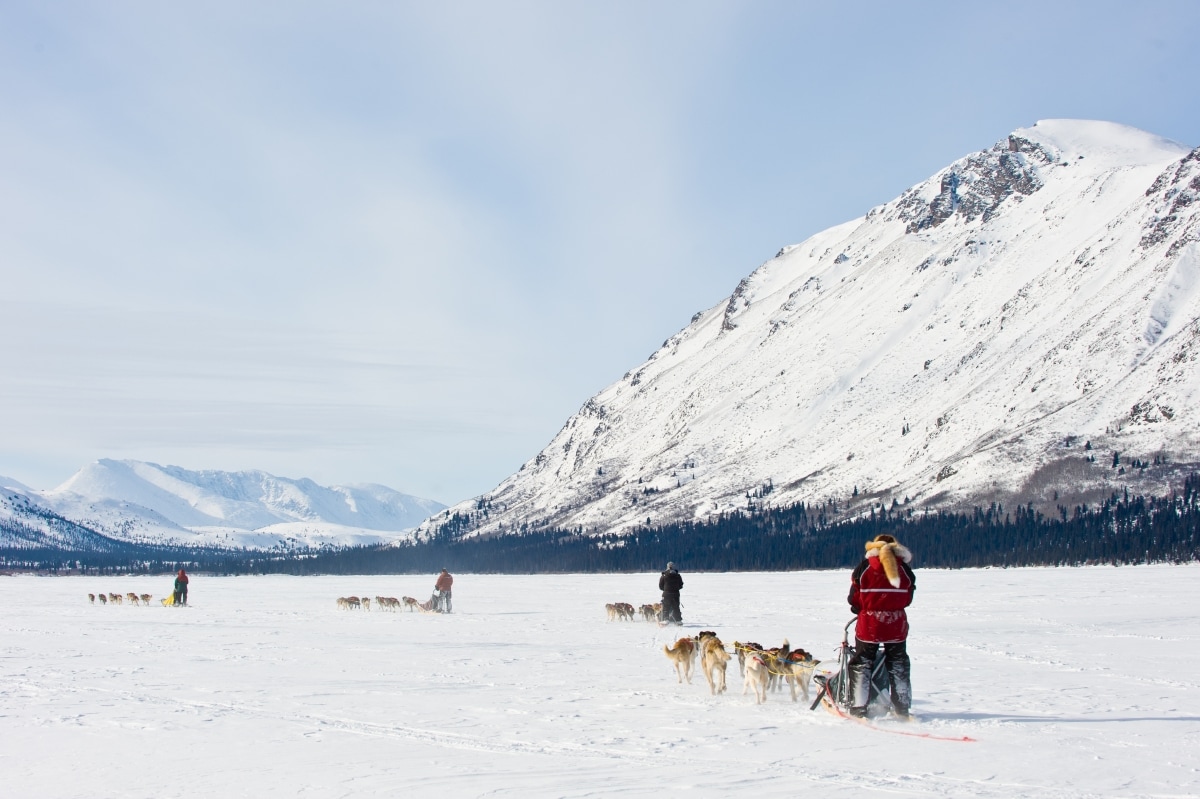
column 1074, row 682
column 994, row 333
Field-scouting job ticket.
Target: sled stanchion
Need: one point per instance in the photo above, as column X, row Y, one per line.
column 820, row 695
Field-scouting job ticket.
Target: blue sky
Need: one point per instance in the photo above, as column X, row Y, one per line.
column 402, row 242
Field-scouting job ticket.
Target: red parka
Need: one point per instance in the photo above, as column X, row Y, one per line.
column 880, row 589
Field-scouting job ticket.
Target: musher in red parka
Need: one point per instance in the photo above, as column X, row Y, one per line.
column 443, row 586
column 880, row 589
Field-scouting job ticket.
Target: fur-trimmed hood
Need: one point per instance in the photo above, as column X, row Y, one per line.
column 888, row 552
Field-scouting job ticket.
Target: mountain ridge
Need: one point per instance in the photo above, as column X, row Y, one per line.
column 137, row 501
column 1003, row 330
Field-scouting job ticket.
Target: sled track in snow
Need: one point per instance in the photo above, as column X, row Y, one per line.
column 1063, row 666
column 714, row 772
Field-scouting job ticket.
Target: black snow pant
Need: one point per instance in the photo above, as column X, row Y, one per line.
column 895, row 659
column 181, row 596
column 670, row 609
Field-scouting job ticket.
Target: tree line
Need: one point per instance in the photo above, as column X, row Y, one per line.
column 1119, row 531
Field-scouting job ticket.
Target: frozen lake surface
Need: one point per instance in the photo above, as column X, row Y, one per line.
column 1074, row 683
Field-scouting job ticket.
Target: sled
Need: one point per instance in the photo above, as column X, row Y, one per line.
column 168, row 600
column 834, row 694
column 835, row 687
column 438, row 603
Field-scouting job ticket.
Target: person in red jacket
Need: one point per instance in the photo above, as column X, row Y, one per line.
column 880, row 589
column 442, row 589
column 181, row 585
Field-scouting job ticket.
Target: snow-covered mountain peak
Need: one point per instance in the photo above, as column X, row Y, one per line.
column 996, row 332
column 128, row 498
column 1103, row 144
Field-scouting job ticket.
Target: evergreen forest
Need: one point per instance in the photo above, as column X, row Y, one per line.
column 1122, row 530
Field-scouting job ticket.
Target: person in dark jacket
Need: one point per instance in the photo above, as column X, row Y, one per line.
column 881, row 588
column 181, row 585
column 670, row 583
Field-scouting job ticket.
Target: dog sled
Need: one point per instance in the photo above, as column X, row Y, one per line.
column 438, row 603
column 834, row 689
column 834, row 693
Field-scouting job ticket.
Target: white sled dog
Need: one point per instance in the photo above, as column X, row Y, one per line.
column 756, row 676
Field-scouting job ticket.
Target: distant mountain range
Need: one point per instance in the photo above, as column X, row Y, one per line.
column 1023, row 326
column 147, row 503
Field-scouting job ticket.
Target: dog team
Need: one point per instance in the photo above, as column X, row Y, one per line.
column 623, row 610
column 119, row 599
column 762, row 669
column 438, row 603
column 381, row 602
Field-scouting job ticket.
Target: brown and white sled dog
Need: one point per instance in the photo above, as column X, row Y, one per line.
column 682, row 655
column 756, row 675
column 796, row 666
column 713, row 660
column 410, row 603
column 743, row 650
column 619, row 610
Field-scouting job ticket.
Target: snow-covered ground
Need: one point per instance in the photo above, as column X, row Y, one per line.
column 1074, row 683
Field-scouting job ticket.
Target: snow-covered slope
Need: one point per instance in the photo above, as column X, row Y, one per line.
column 132, row 500
column 996, row 332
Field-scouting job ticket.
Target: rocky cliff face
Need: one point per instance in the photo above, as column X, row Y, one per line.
column 1023, row 326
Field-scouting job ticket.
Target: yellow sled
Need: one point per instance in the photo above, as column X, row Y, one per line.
column 168, row 601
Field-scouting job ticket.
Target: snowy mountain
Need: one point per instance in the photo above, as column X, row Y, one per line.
column 1023, row 326
column 136, row 501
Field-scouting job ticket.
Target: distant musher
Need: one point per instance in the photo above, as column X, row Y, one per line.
column 181, row 585
column 441, row 590
column 670, row 583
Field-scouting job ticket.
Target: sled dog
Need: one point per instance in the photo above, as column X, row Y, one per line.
column 796, row 667
column 742, row 651
column 713, row 660
column 682, row 655
column 756, row 675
